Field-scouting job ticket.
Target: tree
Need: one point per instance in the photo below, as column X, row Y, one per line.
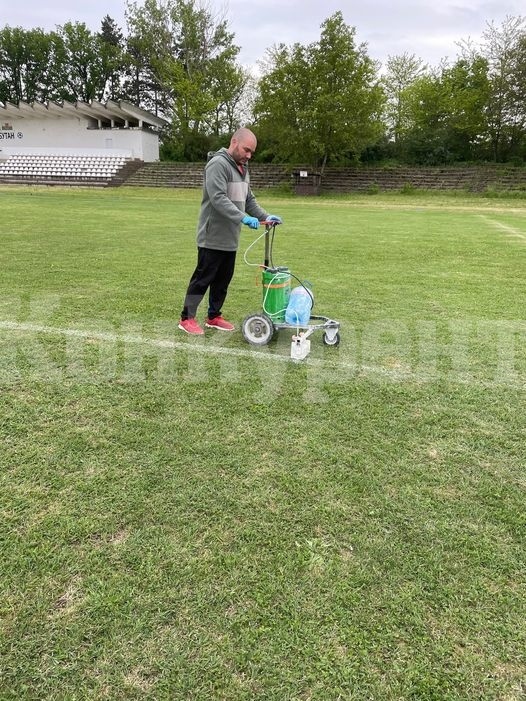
column 205, row 80
column 519, row 144
column 321, row 102
column 184, row 62
column 504, row 49
column 445, row 110
column 149, row 44
column 112, row 57
column 27, row 65
column 282, row 108
column 82, row 63
column 465, row 93
column 402, row 72
column 228, row 88
column 425, row 142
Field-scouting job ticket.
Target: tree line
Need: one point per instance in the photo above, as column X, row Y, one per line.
column 326, row 102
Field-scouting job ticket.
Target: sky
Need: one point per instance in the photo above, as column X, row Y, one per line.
column 427, row 29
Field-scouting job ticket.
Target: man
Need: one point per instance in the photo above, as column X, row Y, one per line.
column 227, row 203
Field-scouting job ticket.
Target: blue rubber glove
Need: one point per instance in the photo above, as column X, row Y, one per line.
column 252, row 222
column 274, row 217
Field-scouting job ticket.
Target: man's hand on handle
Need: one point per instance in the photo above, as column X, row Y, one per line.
column 252, row 222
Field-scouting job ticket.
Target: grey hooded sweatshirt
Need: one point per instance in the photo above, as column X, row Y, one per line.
column 226, row 198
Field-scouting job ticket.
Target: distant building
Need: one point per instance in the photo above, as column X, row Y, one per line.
column 80, row 128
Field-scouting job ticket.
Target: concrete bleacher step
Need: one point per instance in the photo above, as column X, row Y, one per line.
column 341, row 180
column 136, row 173
column 129, row 168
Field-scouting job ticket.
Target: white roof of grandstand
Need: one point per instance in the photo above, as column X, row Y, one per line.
column 120, row 111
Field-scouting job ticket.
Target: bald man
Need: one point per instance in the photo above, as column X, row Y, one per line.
column 227, row 203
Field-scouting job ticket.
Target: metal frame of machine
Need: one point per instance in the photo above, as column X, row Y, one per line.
column 259, row 328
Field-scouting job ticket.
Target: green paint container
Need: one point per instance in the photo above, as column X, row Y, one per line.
column 276, row 292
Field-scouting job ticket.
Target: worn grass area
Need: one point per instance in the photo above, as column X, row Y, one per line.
column 189, row 519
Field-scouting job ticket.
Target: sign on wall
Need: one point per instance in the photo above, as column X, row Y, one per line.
column 7, row 132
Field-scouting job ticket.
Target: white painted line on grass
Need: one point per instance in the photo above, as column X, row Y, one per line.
column 199, row 348
column 512, row 231
column 355, row 369
column 140, row 340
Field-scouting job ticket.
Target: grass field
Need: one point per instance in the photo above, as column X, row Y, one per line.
column 192, row 518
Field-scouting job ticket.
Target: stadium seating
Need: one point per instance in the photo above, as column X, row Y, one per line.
column 53, row 169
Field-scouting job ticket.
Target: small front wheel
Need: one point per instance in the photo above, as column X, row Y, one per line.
column 257, row 329
column 331, row 339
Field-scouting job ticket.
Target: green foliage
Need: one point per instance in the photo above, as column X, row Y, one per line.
column 112, row 57
column 496, row 192
column 184, row 65
column 320, row 103
column 472, row 110
column 176, row 60
column 30, row 66
column 506, row 54
column 82, row 55
column 445, row 114
column 71, row 63
column 401, row 73
column 148, row 43
column 193, row 148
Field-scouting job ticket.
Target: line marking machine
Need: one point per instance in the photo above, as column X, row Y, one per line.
column 284, row 308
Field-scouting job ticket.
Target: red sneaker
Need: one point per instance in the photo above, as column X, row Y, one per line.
column 219, row 323
column 191, row 326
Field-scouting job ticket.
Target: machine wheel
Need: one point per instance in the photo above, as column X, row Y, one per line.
column 257, row 329
column 334, row 341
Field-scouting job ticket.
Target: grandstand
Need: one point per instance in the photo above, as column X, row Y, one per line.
column 76, row 143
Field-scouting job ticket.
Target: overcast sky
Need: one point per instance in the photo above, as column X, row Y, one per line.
column 429, row 29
